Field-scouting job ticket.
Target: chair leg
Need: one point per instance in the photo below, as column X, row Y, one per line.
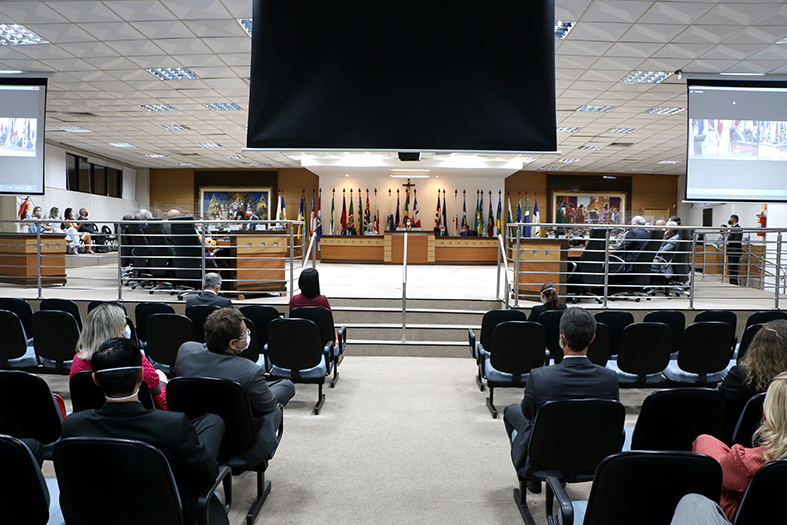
column 520, row 496
column 263, row 489
column 479, row 380
column 490, row 402
column 320, row 400
column 335, row 372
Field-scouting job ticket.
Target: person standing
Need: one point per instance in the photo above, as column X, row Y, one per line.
column 734, row 249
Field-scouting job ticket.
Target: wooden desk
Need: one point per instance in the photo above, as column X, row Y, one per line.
column 19, row 258
column 420, row 247
column 466, row 250
column 352, row 249
column 256, row 262
column 541, row 260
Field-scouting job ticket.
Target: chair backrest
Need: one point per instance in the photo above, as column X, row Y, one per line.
column 681, row 262
column 14, row 340
column 598, row 351
column 188, row 249
column 198, row 314
column 92, row 305
column 57, row 335
column 765, row 316
column 166, row 332
column 574, row 436
column 85, row 394
column 591, row 263
column 616, row 320
column 675, row 319
column 321, row 316
column 294, row 344
column 644, row 258
column 672, row 419
column 645, row 348
column 519, row 346
column 146, row 309
column 724, row 316
column 63, row 305
column 764, row 500
column 27, row 407
column 161, row 251
column 120, row 464
column 252, row 352
column 750, row 419
column 22, row 309
column 197, row 396
column 706, row 347
column 139, row 239
column 550, row 320
column 24, row 497
column 747, row 338
column 260, row 315
column 492, row 318
column 623, row 488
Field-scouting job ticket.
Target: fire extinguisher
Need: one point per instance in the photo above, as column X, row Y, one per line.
column 762, row 220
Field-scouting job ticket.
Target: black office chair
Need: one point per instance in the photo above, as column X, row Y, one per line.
column 160, row 257
column 723, row 316
column 80, row 461
column 142, row 253
column 198, row 314
column 746, row 339
column 56, row 342
column 554, row 449
column 550, row 320
column 617, row 321
column 62, row 305
column 675, row 319
column 644, row 354
column 672, row 419
column 491, row 319
column 260, row 315
column 145, row 310
column 85, row 394
column 764, row 500
column 92, row 305
column 635, row 283
column 166, row 333
column 25, row 495
column 23, row 311
column 197, row 396
column 704, row 355
column 598, row 351
column 750, row 420
column 519, row 347
column 623, row 489
column 188, row 253
column 323, row 318
column 587, row 275
column 15, row 352
column 765, row 316
column 28, row 409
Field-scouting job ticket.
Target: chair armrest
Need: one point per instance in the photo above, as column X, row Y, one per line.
column 471, row 335
column 280, row 430
column 327, row 354
column 203, row 504
column 481, row 359
column 556, row 490
column 265, row 360
column 341, row 335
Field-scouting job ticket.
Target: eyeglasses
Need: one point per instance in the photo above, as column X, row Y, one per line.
column 248, row 333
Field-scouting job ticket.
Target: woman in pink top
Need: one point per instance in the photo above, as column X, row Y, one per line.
column 309, row 283
column 106, row 322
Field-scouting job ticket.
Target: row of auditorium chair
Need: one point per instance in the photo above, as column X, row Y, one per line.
column 659, row 349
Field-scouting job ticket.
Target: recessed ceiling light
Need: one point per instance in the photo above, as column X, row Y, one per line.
column 622, row 130
column 155, row 156
column 246, row 24
column 174, row 127
column 597, row 108
column 669, row 161
column 18, row 35
column 121, row 145
column 185, row 164
column 527, row 160
column 590, row 148
column 664, row 111
column 562, row 29
column 415, row 176
column 223, row 106
column 209, row 145
column 646, row 77
column 549, row 168
column 9, row 71
column 743, row 74
column 568, row 130
column 75, row 129
column 568, row 161
column 235, row 157
column 258, row 164
column 641, row 169
column 157, row 107
column 782, row 41
column 172, row 73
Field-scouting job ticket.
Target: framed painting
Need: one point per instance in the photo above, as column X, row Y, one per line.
column 588, row 207
column 226, row 204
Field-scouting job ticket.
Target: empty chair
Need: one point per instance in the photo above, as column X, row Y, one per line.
column 675, row 319
column 146, row 309
column 672, row 419
column 550, row 320
column 491, row 319
column 617, row 321
column 519, row 346
column 252, row 351
column 704, row 354
column 764, row 500
column 198, row 314
column 93, row 304
column 588, row 273
column 260, row 315
column 765, row 316
column 63, row 305
column 323, row 318
column 86, row 394
column 644, row 353
column 15, row 352
column 28, row 409
column 23, row 311
column 598, row 350
column 750, row 419
column 166, row 333
column 623, row 491
column 724, row 316
column 57, row 338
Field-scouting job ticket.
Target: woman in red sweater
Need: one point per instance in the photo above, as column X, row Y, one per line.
column 309, row 283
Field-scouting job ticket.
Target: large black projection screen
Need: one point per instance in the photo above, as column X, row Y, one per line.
column 403, row 76
column 737, row 141
column 22, row 113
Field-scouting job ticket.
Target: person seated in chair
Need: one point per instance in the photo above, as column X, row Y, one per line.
column 189, row 446
column 211, row 285
column 550, row 301
column 574, row 378
column 97, row 239
column 662, row 261
column 226, row 336
column 309, row 283
column 633, row 242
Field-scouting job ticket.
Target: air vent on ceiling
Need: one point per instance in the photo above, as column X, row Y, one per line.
column 622, row 144
column 79, row 113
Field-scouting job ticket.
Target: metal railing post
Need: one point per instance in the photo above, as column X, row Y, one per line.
column 778, row 269
column 404, row 290
column 38, row 255
column 748, row 258
column 204, row 236
column 499, row 262
column 516, row 268
column 606, row 265
column 314, row 252
column 692, row 274
column 292, row 259
column 119, row 238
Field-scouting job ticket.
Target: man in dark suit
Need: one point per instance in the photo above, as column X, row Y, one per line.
column 211, row 285
column 226, row 336
column 632, row 244
column 190, row 447
column 574, row 378
column 734, row 248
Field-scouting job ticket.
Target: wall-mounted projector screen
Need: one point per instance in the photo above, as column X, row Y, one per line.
column 22, row 112
column 737, row 149
column 439, row 75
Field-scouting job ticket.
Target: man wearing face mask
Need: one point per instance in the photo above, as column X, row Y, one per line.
column 226, row 336
column 734, row 248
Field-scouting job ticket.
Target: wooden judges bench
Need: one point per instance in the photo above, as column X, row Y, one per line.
column 254, row 261
column 19, row 258
column 422, row 248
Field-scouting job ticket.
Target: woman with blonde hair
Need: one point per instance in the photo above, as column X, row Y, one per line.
column 764, row 360
column 105, row 322
column 549, row 300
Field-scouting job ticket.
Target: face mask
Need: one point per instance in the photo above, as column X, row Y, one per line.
column 39, row 214
column 127, row 332
column 729, row 222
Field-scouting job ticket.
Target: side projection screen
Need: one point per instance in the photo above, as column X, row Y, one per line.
column 22, row 112
column 403, row 76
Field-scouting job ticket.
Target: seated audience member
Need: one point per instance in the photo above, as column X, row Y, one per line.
column 189, row 446
column 662, row 261
column 211, row 285
column 309, row 283
column 34, row 227
column 54, row 216
column 143, row 215
column 90, row 228
column 550, row 301
column 75, row 240
column 574, row 378
column 633, row 242
column 108, row 321
column 250, row 221
column 739, row 464
column 764, row 360
column 226, row 336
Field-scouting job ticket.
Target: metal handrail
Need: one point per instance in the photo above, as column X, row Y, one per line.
column 502, row 260
column 309, row 252
column 404, row 290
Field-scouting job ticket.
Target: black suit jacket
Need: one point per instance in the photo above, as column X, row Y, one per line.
column 632, row 244
column 170, row 432
column 541, row 308
column 208, row 299
column 735, row 240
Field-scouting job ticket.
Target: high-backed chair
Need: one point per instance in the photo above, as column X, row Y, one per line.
column 519, row 346
column 92, row 305
column 704, row 355
column 750, row 420
column 57, row 338
column 62, row 305
column 550, row 320
column 26, row 496
column 323, row 318
column 644, row 354
column 598, row 351
column 160, row 256
column 80, row 461
column 145, row 310
column 28, row 409
column 617, row 321
column 491, row 319
column 638, row 279
column 260, row 315
column 295, row 352
column 198, row 314
column 765, row 316
column 588, row 273
column 15, row 351
column 23, row 311
column 166, row 333
column 764, row 500
column 724, row 316
column 188, row 253
column 622, row 492
column 138, row 235
column 675, row 319
column 555, row 450
column 253, row 351
column 85, row 394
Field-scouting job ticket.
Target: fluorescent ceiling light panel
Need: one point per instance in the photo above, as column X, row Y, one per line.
column 568, row 161
column 75, row 129
column 527, row 160
column 246, row 24
column 235, row 157
column 562, row 29
column 223, row 106
column 258, row 164
column 646, row 77
column 9, row 71
column 172, row 73
column 157, row 107
column 209, row 145
column 121, row 145
column 597, row 109
column 549, row 168
column 591, row 148
column 414, row 176
column 664, row 111
column 641, row 169
column 669, row 161
column 174, row 127
column 155, row 156
column 18, row 35
column 782, row 41
column 622, row 130
column 185, row 164
column 568, row 130
column 743, row 74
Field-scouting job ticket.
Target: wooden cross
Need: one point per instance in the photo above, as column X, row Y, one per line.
column 407, row 187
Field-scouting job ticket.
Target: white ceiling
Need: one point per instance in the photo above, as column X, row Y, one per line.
column 99, row 51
